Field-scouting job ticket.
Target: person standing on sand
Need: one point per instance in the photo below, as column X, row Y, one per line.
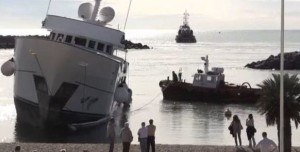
column 126, row 136
column 151, row 136
column 250, row 130
column 236, row 129
column 266, row 145
column 143, row 135
column 111, row 133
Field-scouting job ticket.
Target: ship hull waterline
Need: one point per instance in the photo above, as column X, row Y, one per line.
column 27, row 111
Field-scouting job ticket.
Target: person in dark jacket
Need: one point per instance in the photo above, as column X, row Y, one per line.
column 151, row 136
column 236, row 127
column 126, row 136
column 250, row 130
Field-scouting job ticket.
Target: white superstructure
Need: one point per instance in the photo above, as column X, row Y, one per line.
column 71, row 76
column 209, row 79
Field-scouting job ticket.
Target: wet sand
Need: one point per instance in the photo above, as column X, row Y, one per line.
column 45, row 147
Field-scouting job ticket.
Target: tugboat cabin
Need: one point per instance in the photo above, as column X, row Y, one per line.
column 209, row 79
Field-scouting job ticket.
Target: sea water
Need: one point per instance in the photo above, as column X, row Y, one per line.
column 176, row 122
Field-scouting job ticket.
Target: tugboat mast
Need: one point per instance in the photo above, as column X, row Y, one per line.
column 206, row 63
column 185, row 18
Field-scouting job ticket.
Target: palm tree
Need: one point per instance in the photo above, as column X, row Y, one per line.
column 269, row 104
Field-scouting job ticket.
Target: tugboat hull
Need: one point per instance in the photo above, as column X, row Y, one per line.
column 181, row 39
column 181, row 91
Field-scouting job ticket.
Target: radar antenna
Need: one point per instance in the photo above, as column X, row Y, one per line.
column 48, row 7
column 96, row 10
column 127, row 14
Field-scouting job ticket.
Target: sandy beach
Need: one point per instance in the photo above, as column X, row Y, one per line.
column 45, row 147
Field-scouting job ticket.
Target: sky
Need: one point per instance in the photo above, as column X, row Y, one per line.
column 161, row 14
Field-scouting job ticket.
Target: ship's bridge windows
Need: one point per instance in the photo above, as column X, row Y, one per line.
column 100, row 46
column 209, row 78
column 69, row 39
column 91, row 44
column 80, row 41
column 109, row 49
column 52, row 36
column 59, row 37
column 198, row 77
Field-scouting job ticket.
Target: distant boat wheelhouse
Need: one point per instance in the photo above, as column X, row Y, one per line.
column 185, row 33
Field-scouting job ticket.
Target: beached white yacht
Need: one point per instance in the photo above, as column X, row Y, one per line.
column 75, row 75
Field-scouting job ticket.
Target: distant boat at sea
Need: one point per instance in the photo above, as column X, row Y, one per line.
column 185, row 33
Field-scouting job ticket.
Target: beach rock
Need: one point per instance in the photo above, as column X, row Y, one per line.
column 130, row 45
column 7, row 42
column 291, row 62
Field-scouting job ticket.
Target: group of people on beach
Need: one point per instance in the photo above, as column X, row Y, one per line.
column 265, row 145
column 146, row 136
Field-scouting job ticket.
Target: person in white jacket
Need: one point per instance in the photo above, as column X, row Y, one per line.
column 143, row 135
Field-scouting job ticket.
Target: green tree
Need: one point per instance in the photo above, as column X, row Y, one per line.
column 269, row 104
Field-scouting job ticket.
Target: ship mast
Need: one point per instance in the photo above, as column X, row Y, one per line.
column 185, row 18
column 206, row 63
column 96, row 10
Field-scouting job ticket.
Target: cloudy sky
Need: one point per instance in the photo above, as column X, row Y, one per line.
column 161, row 14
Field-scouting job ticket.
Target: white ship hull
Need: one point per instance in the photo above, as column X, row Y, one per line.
column 59, row 84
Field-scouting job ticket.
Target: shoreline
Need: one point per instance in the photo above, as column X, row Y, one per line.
column 70, row 147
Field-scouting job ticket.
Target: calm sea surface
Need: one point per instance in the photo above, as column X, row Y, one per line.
column 177, row 122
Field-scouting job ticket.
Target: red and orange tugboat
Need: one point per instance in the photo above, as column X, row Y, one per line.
column 208, row 86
